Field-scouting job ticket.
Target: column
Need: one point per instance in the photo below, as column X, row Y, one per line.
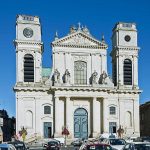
column 104, row 62
column 136, row 117
column 105, row 116
column 58, row 127
column 96, row 117
column 135, row 71
column 121, row 72
column 117, row 69
column 69, row 116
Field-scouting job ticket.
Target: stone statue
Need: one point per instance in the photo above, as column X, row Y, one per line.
column 94, row 77
column 104, row 76
column 105, row 80
column 67, row 76
column 56, row 76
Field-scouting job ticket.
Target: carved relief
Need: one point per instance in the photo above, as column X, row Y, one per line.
column 81, row 58
column 79, row 40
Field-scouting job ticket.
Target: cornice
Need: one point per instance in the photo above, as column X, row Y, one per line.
column 28, row 42
column 80, row 46
column 31, row 88
column 94, row 89
column 44, row 88
column 126, row 48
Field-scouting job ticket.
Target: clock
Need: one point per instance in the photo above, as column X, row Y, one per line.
column 28, row 32
column 127, row 38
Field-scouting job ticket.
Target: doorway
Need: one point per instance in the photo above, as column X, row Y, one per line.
column 80, row 123
column 47, row 129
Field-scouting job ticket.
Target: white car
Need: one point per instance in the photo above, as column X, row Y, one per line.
column 137, row 146
column 115, row 143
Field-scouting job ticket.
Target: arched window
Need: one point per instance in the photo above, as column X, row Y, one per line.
column 29, row 119
column 80, row 72
column 128, row 120
column 28, row 68
column 127, row 72
column 47, row 110
column 112, row 110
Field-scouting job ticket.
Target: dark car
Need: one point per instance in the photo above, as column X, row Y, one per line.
column 77, row 142
column 52, row 145
column 96, row 146
column 19, row 145
column 137, row 146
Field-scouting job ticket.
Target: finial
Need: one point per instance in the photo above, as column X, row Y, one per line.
column 56, row 36
column 103, row 38
column 79, row 26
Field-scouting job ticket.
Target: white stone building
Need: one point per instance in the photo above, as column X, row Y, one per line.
column 76, row 92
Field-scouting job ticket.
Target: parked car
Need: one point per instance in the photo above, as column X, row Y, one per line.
column 115, row 143
column 95, row 146
column 52, row 145
column 145, row 139
column 137, row 146
column 61, row 140
column 77, row 142
column 7, row 147
column 19, row 145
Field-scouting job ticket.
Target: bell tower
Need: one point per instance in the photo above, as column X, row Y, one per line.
column 125, row 56
column 29, row 49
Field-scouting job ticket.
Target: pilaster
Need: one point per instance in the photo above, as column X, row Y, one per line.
column 69, row 116
column 96, row 117
column 58, row 127
column 105, row 116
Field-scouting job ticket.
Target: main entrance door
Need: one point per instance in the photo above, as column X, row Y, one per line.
column 80, row 123
column 47, row 129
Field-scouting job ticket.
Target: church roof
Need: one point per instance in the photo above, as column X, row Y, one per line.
column 46, row 72
column 79, row 38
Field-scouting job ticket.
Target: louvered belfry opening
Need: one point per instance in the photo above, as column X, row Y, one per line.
column 127, row 72
column 28, row 68
column 114, row 73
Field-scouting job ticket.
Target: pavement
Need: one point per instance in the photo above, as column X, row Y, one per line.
column 62, row 148
column 38, row 146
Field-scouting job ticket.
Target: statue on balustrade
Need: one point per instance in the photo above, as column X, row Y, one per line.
column 94, row 77
column 67, row 76
column 56, row 76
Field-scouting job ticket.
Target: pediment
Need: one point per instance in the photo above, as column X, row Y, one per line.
column 79, row 39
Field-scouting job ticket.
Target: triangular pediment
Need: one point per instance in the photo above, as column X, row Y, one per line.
column 79, row 39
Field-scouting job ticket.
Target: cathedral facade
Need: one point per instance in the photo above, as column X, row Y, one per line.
column 76, row 93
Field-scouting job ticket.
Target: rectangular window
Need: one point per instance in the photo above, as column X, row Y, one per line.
column 80, row 72
column 112, row 110
column 47, row 110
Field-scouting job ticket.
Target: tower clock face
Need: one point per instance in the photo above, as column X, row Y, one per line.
column 28, row 32
column 127, row 38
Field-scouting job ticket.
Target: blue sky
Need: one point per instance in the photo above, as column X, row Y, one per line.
column 99, row 16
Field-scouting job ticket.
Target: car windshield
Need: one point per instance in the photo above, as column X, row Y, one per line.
column 52, row 143
column 18, row 145
column 98, row 147
column 142, row 146
column 117, row 142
